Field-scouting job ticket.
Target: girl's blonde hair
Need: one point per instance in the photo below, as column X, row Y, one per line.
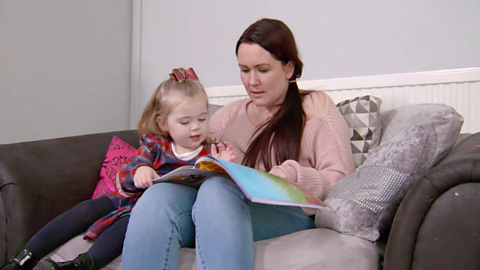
column 162, row 103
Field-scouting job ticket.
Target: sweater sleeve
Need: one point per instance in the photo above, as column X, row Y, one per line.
column 145, row 156
column 323, row 176
column 326, row 155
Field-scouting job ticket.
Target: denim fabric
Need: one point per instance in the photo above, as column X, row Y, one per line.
column 217, row 219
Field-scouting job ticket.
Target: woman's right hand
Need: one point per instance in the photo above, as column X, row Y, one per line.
column 143, row 177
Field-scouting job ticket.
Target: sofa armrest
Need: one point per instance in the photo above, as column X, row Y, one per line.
column 436, row 223
column 40, row 180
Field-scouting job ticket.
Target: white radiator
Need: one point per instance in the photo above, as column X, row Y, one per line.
column 459, row 88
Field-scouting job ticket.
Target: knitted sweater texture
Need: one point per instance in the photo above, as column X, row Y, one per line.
column 326, row 155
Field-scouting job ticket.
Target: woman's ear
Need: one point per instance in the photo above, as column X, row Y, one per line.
column 289, row 68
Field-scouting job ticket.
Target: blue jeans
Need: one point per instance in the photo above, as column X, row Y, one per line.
column 216, row 219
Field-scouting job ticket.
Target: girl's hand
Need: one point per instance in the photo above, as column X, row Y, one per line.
column 143, row 177
column 224, row 151
column 119, row 188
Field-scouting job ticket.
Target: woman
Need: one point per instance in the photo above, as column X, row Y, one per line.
column 297, row 135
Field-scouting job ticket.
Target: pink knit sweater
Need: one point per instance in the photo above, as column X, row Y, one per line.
column 326, row 155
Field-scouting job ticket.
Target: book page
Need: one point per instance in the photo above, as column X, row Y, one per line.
column 263, row 187
column 186, row 175
column 209, row 165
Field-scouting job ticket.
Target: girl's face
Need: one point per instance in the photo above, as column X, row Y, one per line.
column 264, row 77
column 187, row 123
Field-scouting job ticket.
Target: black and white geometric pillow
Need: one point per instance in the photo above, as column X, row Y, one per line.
column 362, row 115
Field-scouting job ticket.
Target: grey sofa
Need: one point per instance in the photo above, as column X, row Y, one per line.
column 435, row 226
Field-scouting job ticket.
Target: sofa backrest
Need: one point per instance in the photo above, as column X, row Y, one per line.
column 35, row 176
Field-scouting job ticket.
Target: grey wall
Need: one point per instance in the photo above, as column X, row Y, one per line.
column 335, row 38
column 64, row 68
column 65, row 65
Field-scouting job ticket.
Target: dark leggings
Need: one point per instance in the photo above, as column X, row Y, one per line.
column 75, row 221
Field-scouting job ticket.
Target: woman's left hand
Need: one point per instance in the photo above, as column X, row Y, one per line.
column 279, row 172
column 224, row 151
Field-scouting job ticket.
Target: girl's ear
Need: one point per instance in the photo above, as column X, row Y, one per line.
column 289, row 68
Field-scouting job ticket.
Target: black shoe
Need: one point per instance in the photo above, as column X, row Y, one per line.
column 47, row 264
column 84, row 261
column 24, row 260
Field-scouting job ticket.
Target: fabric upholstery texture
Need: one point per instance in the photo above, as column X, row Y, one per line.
column 304, row 250
column 436, row 226
column 118, row 153
column 414, row 139
column 362, row 115
column 39, row 180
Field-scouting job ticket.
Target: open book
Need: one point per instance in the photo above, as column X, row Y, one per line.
column 258, row 186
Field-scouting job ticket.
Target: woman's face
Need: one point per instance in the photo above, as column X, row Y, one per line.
column 264, row 77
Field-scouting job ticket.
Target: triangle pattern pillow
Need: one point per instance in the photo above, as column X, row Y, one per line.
column 362, row 115
column 118, row 153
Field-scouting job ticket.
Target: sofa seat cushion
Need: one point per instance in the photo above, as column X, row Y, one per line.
column 310, row 249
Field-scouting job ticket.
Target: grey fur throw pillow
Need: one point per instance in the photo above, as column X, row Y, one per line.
column 414, row 139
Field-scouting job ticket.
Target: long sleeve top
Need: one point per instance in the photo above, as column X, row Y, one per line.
column 326, row 155
column 155, row 151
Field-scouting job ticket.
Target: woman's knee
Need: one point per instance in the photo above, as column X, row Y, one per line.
column 218, row 186
column 164, row 208
column 164, row 198
column 163, row 193
column 217, row 191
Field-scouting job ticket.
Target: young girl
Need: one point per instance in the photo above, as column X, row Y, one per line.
column 174, row 133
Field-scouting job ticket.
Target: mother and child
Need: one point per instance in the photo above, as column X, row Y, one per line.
column 295, row 134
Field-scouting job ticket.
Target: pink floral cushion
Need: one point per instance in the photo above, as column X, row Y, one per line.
column 118, row 153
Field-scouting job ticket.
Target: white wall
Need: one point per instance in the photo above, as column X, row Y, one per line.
column 335, row 38
column 64, row 68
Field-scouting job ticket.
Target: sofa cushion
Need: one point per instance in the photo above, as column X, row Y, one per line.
column 362, row 115
column 213, row 108
column 304, row 250
column 414, row 139
column 118, row 153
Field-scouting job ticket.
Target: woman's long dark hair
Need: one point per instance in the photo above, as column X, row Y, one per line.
column 282, row 134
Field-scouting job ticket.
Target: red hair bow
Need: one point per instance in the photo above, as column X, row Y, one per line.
column 179, row 75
